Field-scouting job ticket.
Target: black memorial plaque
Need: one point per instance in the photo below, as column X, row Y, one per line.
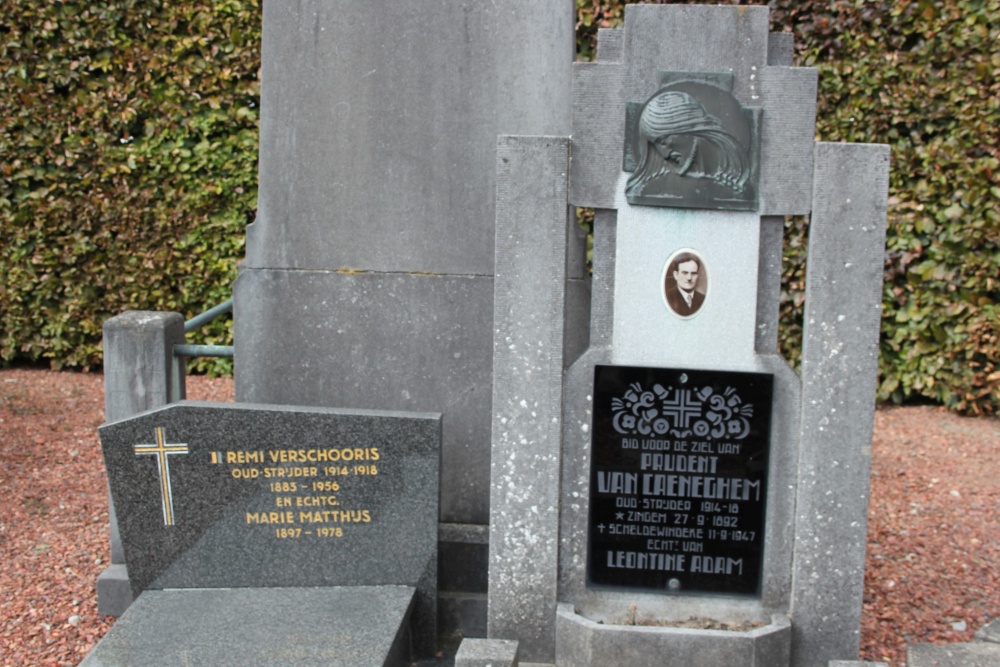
column 678, row 482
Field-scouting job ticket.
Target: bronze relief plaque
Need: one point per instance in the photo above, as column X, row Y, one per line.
column 692, row 145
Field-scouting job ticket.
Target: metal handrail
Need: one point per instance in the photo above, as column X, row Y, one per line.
column 197, row 322
column 203, row 351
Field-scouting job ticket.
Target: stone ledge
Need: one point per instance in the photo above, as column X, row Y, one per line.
column 487, row 653
column 306, row 627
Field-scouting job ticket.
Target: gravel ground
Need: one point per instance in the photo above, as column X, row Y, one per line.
column 933, row 547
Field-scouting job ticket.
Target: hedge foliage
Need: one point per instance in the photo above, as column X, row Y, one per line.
column 128, row 144
column 128, row 156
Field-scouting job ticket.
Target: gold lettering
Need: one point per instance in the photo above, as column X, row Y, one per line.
column 316, row 501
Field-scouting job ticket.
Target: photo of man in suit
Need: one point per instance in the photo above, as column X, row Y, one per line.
column 681, row 282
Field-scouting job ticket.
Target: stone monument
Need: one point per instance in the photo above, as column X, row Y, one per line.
column 700, row 475
column 659, row 462
column 368, row 280
column 275, row 535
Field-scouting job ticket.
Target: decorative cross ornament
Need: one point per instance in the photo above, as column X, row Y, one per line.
column 162, row 451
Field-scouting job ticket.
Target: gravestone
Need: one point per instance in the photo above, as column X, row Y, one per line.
column 368, row 280
column 259, row 522
column 701, row 476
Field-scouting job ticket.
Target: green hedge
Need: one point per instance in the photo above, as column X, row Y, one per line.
column 128, row 149
column 128, row 156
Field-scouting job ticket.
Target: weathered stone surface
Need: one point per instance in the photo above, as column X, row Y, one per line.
column 694, row 38
column 789, row 125
column 609, row 44
column 487, row 653
column 140, row 370
column 528, row 353
column 598, row 132
column 975, row 654
column 140, row 373
column 215, row 495
column 377, row 340
column 377, row 184
column 379, row 126
column 329, row 627
column 769, row 284
column 839, row 371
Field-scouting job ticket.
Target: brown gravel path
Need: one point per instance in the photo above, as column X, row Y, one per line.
column 933, row 552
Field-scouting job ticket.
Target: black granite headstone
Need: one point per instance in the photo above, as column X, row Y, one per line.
column 214, row 495
column 678, row 479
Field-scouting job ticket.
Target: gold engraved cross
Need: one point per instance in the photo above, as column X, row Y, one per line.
column 162, row 451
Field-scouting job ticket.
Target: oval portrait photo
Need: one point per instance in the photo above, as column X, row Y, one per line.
column 685, row 283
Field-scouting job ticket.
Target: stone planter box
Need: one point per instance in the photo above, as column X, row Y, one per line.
column 580, row 641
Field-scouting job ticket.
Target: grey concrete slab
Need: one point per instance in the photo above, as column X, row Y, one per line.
column 789, row 128
column 139, row 364
column 695, row 38
column 487, row 653
column 839, row 371
column 772, row 229
column 140, row 373
column 332, row 627
column 410, row 342
column 598, row 133
column 379, row 123
column 215, row 495
column 377, row 161
column 610, row 44
column 529, row 320
column 602, row 309
column 976, row 654
column 780, row 49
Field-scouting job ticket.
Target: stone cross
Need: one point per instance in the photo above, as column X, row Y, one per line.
column 820, row 420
